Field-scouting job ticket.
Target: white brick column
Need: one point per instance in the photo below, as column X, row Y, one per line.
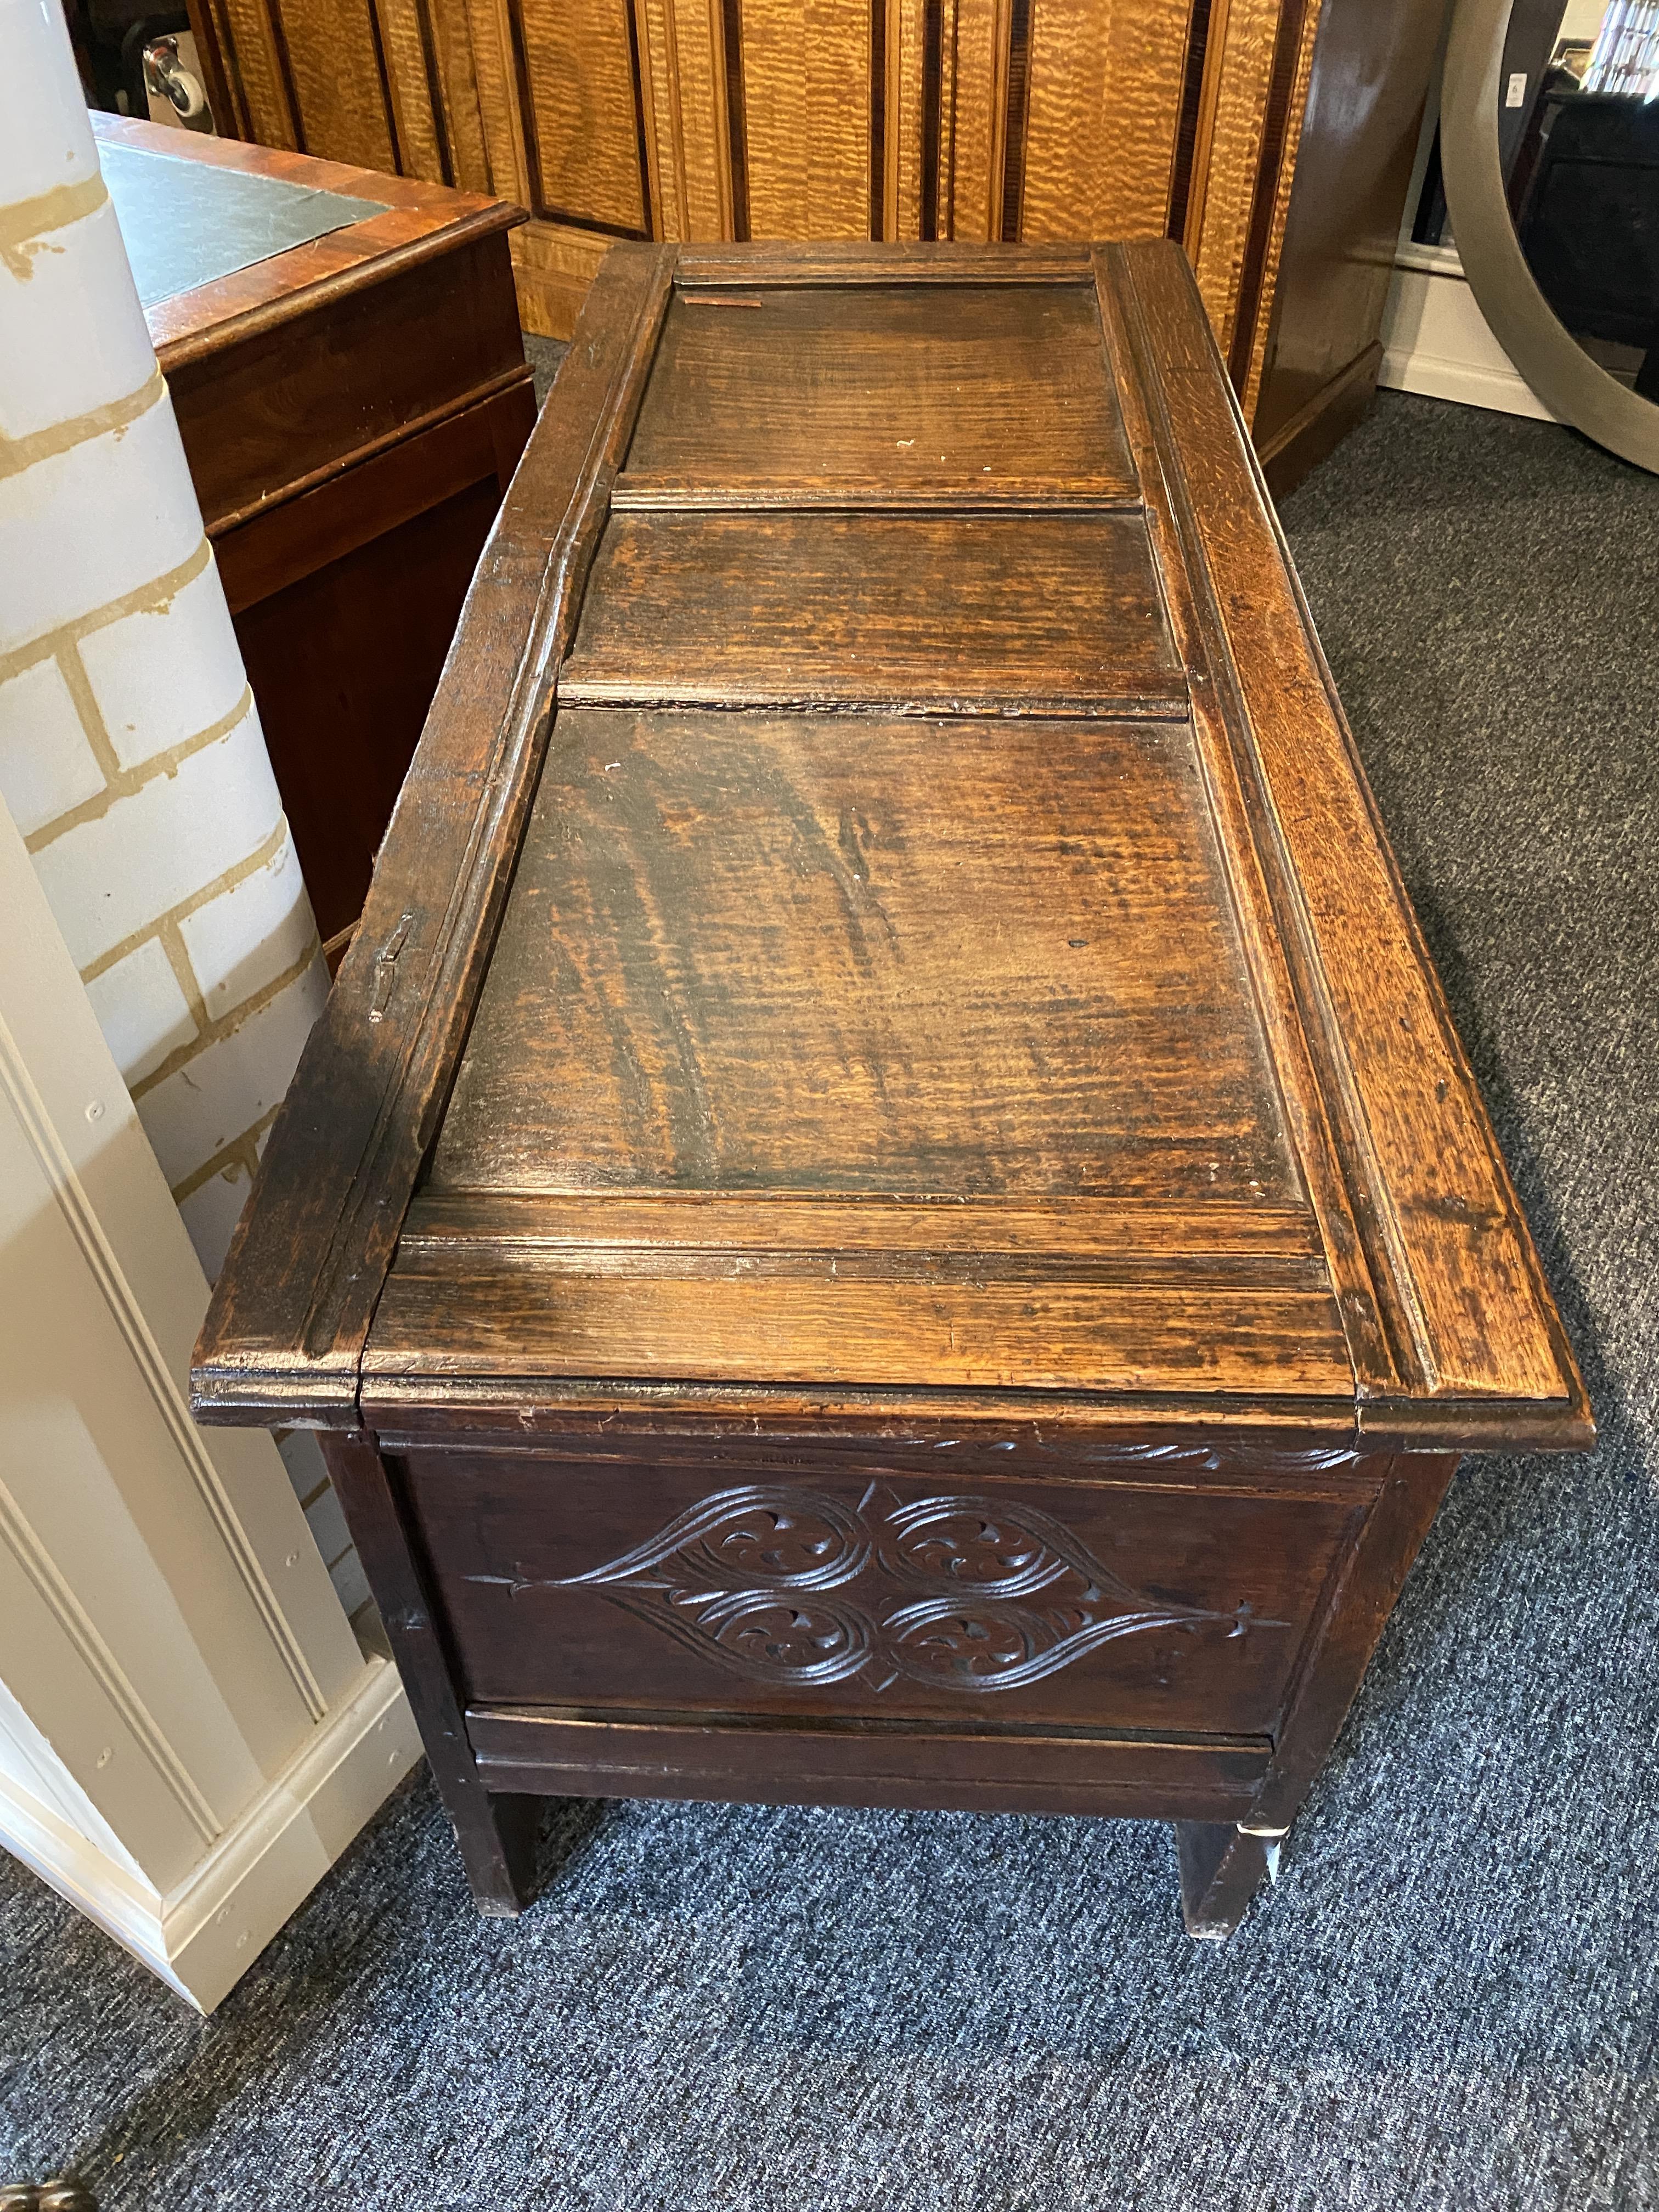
column 130, row 753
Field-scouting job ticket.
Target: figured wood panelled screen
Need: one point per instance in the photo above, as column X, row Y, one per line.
column 732, row 119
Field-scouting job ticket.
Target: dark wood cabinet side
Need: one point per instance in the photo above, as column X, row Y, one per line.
column 1371, row 67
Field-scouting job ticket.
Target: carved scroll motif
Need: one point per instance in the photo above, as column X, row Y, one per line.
column 795, row 1585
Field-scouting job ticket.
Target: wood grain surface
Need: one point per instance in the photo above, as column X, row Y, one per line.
column 810, row 75
column 1438, row 1209
column 1142, row 1777
column 964, row 391
column 749, row 952
column 796, row 119
column 379, row 1062
column 1049, row 614
column 579, row 104
column 1094, row 64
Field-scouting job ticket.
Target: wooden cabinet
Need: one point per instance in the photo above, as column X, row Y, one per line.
column 892, row 120
column 352, row 408
column 886, row 1209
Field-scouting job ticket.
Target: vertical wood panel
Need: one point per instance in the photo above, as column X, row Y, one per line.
column 807, row 105
column 665, row 118
column 255, row 60
column 972, row 189
column 1243, row 70
column 580, row 98
column 1250, row 345
column 1106, row 80
column 688, row 49
column 337, row 64
column 490, row 38
column 416, row 96
column 710, row 119
column 452, row 43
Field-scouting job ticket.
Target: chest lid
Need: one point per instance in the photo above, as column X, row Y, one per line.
column 885, row 921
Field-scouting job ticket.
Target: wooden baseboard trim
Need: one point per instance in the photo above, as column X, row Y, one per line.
column 201, row 1937
column 1320, row 425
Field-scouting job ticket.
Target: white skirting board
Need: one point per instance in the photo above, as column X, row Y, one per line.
column 1436, row 341
column 202, row 1935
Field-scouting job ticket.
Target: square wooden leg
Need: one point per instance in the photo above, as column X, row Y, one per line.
column 496, row 1836
column 1221, row 1870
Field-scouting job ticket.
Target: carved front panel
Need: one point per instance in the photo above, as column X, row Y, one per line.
column 662, row 1587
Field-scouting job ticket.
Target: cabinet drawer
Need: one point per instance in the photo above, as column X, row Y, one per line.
column 644, row 1587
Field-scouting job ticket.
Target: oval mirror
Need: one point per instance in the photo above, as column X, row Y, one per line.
column 1549, row 147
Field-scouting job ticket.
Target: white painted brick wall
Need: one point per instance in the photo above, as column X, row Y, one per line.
column 46, row 142
column 142, row 1010
column 231, row 1084
column 82, row 341
column 163, row 674
column 244, row 939
column 97, row 523
column 211, row 1211
column 153, row 849
column 46, row 765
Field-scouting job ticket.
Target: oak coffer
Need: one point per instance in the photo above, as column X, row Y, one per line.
column 886, row 1209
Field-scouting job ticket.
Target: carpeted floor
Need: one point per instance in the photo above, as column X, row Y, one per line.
column 1450, row 1999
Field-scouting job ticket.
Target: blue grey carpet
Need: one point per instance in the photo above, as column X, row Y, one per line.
column 1449, row 2000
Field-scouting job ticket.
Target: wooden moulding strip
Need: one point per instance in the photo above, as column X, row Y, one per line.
column 1194, row 621
column 285, row 1329
column 745, row 1220
column 335, row 512
column 935, row 1763
column 516, row 1413
column 1460, row 1292
column 1386, row 1333
column 467, row 403
column 643, row 493
column 856, row 262
column 1110, row 703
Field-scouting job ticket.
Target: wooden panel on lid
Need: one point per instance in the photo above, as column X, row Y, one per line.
column 1026, row 614
column 891, row 387
column 853, row 954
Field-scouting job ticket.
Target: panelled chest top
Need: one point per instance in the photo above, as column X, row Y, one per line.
column 885, row 928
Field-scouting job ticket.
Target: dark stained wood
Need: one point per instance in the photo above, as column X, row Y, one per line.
column 1356, row 1601
column 279, row 409
column 284, row 1336
column 352, row 411
column 340, row 715
column 890, row 389
column 495, row 1834
column 886, row 1189
column 420, row 221
column 1319, row 426
column 942, row 1769
column 293, row 537
column 1131, row 1608
column 1371, row 74
column 1433, row 1200
column 1221, row 1870
column 1049, row 614
column 1086, row 1032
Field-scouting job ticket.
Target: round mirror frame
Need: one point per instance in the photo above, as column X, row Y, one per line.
column 1569, row 384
